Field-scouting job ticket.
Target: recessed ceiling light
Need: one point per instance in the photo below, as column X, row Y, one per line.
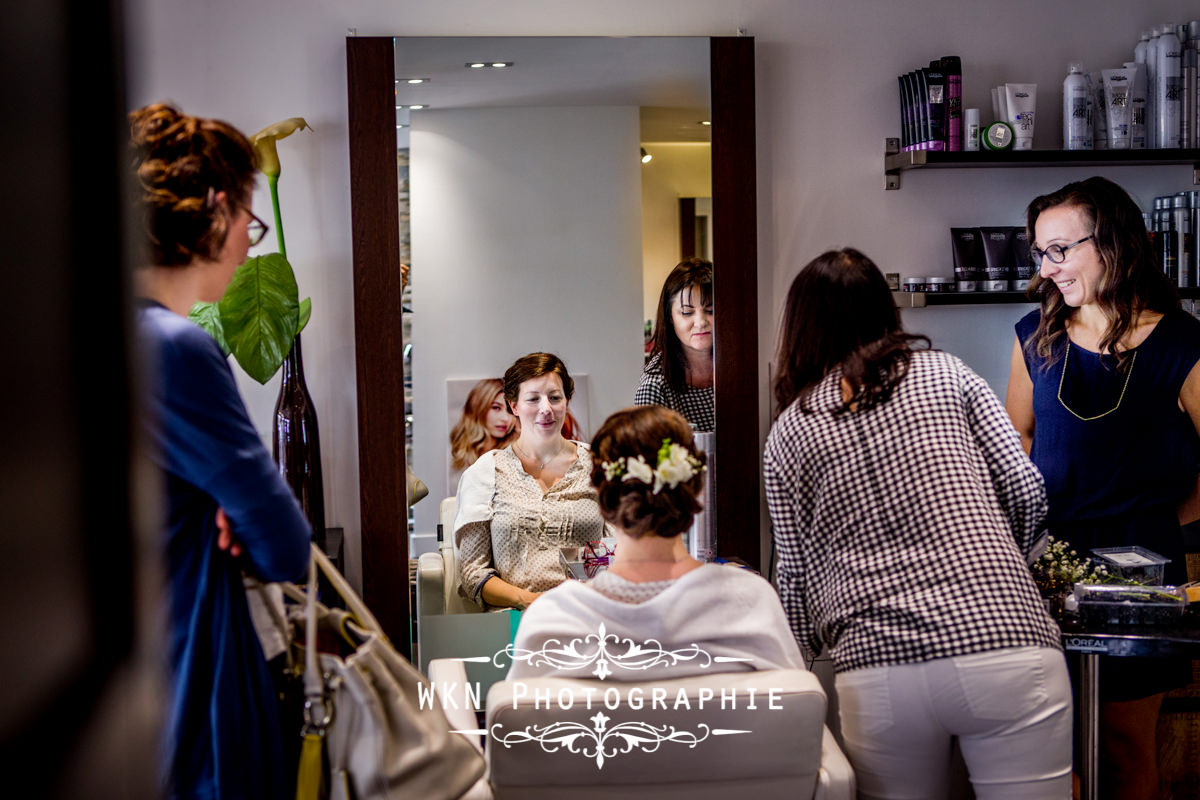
column 414, row 107
column 646, row 157
column 499, row 65
column 400, row 125
column 415, row 80
column 476, row 65
column 705, row 122
column 488, row 64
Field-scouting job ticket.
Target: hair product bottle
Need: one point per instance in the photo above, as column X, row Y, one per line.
column 1077, row 123
column 1167, row 105
column 1151, row 88
column 1187, row 119
column 952, row 68
column 1137, row 102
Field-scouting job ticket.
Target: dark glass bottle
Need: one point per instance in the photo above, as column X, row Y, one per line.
column 297, row 444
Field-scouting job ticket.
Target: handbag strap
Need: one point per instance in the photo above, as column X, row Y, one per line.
column 354, row 603
column 318, row 711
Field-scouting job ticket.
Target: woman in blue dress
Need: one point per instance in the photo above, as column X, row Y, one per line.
column 1104, row 389
column 226, row 509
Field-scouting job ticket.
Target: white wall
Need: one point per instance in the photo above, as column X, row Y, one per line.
column 678, row 169
column 826, row 98
column 526, row 232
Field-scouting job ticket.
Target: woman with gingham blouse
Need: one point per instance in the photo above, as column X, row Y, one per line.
column 904, row 510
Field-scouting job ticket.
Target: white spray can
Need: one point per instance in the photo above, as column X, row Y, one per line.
column 1077, row 123
column 1168, row 95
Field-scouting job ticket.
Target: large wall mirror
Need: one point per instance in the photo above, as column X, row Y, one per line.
column 516, row 193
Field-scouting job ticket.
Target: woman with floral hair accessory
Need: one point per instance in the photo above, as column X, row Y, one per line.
column 649, row 479
column 904, row 510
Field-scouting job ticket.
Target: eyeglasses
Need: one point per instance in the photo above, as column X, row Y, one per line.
column 256, row 229
column 1057, row 253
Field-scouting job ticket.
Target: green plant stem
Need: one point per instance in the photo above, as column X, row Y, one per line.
column 273, row 183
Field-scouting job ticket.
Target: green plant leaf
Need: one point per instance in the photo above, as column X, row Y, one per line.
column 260, row 314
column 305, row 313
column 208, row 317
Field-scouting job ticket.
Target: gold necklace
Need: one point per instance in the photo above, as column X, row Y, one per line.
column 541, row 465
column 1062, row 379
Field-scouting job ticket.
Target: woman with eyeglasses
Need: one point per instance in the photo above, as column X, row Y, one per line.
column 226, row 510
column 1105, row 391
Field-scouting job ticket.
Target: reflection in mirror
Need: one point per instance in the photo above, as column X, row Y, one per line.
column 528, row 216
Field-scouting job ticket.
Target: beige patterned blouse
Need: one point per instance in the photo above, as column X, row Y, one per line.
column 508, row 527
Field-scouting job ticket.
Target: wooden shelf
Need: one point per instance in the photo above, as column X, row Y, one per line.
column 896, row 161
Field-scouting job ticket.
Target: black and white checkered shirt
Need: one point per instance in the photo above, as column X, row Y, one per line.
column 902, row 531
column 694, row 403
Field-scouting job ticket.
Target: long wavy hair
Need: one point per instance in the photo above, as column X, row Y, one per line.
column 631, row 504
column 667, row 351
column 840, row 314
column 470, row 437
column 1130, row 280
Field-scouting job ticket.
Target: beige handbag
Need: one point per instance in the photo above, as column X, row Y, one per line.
column 378, row 741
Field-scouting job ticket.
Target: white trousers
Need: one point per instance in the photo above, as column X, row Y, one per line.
column 1010, row 709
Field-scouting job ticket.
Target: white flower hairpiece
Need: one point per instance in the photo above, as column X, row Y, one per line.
column 676, row 464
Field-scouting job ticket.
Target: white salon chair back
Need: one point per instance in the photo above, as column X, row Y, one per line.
column 437, row 573
column 784, row 752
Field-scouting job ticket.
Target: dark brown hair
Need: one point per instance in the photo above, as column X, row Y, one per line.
column 535, row 365
column 633, row 505
column 671, row 360
column 181, row 163
column 840, row 313
column 1130, row 281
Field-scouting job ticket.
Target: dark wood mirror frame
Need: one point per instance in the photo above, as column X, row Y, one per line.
column 374, row 209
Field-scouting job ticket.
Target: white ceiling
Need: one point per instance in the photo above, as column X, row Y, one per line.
column 666, row 76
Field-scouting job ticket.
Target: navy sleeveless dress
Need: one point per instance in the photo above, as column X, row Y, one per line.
column 1117, row 452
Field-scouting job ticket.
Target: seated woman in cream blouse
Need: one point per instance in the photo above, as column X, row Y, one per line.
column 517, row 506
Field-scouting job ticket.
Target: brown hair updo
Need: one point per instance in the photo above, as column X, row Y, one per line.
column 181, row 163
column 632, row 505
column 535, row 365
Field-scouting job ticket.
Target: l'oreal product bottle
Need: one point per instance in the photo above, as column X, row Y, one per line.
column 905, row 133
column 921, row 104
column 1181, row 222
column 1077, row 124
column 997, row 136
column 1151, row 88
column 997, row 249
column 971, row 124
column 1099, row 118
column 1117, row 106
column 1137, row 105
column 1139, row 50
column 970, row 264
column 935, row 91
column 1164, row 238
column 1167, row 105
column 1194, row 46
column 952, row 69
column 1022, row 100
column 1187, row 115
column 1022, row 263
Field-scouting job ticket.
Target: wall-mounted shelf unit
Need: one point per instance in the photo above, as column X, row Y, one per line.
column 896, row 161
column 923, row 299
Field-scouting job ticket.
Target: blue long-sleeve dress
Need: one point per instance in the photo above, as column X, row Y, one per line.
column 223, row 735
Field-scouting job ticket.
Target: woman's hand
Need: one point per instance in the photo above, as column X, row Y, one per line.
column 225, row 540
column 500, row 593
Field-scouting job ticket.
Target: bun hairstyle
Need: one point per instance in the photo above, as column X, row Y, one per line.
column 632, row 504
column 535, row 365
column 181, row 163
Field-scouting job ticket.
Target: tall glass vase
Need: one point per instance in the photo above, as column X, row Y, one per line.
column 297, row 444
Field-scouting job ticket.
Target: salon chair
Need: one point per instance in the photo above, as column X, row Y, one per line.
column 784, row 752
column 437, row 572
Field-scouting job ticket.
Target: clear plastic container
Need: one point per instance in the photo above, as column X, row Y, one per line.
column 1133, row 563
column 1114, row 604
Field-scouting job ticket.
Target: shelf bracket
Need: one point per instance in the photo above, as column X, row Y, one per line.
column 891, row 177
